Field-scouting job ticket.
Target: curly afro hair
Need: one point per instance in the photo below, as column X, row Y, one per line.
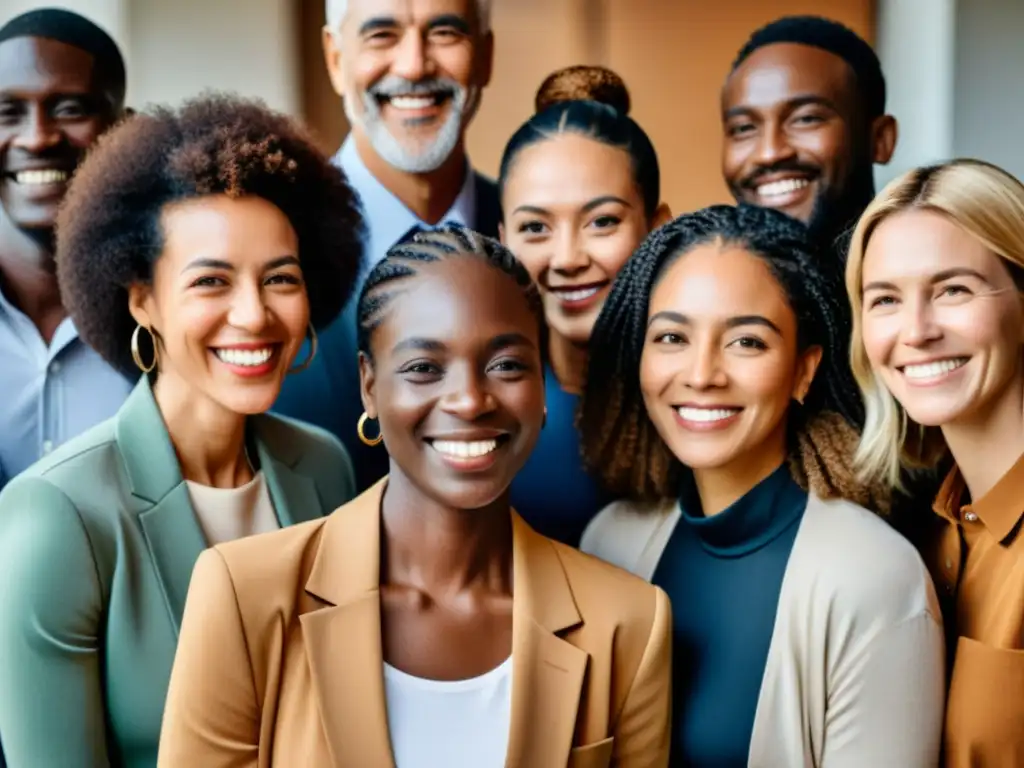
column 109, row 232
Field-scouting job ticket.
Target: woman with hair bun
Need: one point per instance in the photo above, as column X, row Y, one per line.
column 580, row 190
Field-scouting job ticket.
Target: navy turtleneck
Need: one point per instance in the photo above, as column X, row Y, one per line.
column 723, row 575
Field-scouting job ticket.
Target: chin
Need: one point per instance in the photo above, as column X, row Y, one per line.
column 470, row 495
column 249, row 404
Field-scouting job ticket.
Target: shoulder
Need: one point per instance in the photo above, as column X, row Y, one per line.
column 865, row 566
column 620, row 533
column 271, row 564
column 316, row 451
column 608, row 595
column 488, row 205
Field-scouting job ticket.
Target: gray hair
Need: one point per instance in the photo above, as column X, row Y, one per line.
column 336, row 14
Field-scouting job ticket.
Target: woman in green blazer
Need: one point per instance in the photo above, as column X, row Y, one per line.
column 202, row 246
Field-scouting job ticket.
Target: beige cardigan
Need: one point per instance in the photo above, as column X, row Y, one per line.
column 855, row 670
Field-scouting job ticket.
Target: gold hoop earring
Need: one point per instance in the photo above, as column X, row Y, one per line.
column 361, row 431
column 312, row 352
column 135, row 349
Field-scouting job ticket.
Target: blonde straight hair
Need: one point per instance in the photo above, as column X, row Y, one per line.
column 987, row 203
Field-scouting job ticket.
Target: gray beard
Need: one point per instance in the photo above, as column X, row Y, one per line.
column 422, row 159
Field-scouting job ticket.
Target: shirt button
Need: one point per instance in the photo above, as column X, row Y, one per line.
column 970, row 517
column 55, row 366
column 949, row 563
column 47, row 446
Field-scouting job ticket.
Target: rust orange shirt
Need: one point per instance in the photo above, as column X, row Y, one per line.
column 977, row 559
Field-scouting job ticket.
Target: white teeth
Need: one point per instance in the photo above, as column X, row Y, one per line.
column 580, row 295
column 933, row 370
column 411, row 102
column 706, row 414
column 246, row 357
column 48, row 176
column 463, row 449
column 783, row 187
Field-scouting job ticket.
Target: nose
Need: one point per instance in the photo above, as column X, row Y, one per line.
column 705, row 370
column 410, row 60
column 773, row 146
column 37, row 132
column 569, row 257
column 248, row 310
column 918, row 325
column 468, row 397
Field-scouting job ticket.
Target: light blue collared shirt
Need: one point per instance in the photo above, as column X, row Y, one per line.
column 386, row 218
column 48, row 394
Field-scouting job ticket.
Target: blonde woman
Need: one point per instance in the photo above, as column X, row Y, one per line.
column 935, row 273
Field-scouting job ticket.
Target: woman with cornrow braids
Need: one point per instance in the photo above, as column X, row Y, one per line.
column 718, row 407
column 425, row 623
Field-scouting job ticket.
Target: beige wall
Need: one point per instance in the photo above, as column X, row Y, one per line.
column 673, row 55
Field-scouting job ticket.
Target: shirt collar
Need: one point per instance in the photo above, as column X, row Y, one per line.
column 65, row 334
column 387, row 218
column 1000, row 510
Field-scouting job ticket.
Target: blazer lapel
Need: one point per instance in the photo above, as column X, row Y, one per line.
column 169, row 526
column 343, row 639
column 547, row 671
column 294, row 495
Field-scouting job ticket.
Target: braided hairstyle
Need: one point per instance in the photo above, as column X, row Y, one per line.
column 402, row 261
column 619, row 440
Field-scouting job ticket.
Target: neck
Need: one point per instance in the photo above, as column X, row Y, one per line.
column 28, row 276
column 428, row 195
column 568, row 362
column 988, row 445
column 208, row 439
column 721, row 487
column 441, row 549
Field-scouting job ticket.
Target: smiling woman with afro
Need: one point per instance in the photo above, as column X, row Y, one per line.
column 200, row 246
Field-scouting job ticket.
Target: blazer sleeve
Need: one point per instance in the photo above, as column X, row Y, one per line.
column 212, row 714
column 643, row 731
column 886, row 704
column 51, row 609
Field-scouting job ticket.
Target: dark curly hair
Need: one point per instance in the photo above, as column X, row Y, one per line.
column 427, row 247
column 109, row 232
column 619, row 440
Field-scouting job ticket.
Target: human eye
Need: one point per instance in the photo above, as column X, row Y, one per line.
column 668, row 337
column 421, row 371
column 606, row 221
column 208, row 281
column 749, row 343
column 532, row 227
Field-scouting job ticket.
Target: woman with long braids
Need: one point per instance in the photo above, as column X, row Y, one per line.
column 424, row 623
column 580, row 190
column 718, row 407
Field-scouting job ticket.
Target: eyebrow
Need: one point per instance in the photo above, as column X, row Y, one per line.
column 587, row 207
column 938, row 277
column 791, row 104
column 732, row 322
column 501, row 341
column 204, row 263
column 390, row 22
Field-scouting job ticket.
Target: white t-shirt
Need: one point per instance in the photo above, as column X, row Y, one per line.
column 449, row 724
column 226, row 514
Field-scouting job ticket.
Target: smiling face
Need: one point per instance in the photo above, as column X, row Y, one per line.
column 794, row 136
column 456, row 381
column 573, row 217
column 52, row 109
column 720, row 364
column 942, row 320
column 227, row 301
column 410, row 73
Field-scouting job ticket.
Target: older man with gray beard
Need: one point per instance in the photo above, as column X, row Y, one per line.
column 410, row 74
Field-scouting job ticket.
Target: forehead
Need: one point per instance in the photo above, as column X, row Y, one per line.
column 405, row 11
column 916, row 244
column 221, row 227
column 568, row 171
column 779, row 73
column 33, row 64
column 460, row 300
column 716, row 281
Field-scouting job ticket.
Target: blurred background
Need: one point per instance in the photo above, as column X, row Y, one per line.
column 954, row 68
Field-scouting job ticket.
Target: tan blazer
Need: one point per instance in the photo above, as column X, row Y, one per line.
column 279, row 662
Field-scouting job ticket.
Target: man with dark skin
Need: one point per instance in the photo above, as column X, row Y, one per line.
column 803, row 111
column 62, row 83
